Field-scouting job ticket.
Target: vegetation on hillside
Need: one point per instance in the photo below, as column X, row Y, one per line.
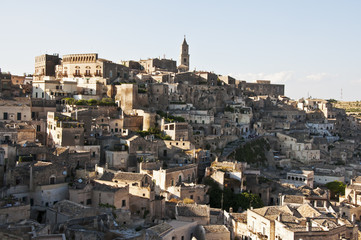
column 156, row 132
column 230, row 199
column 170, row 118
column 90, row 102
column 253, row 152
column 336, row 188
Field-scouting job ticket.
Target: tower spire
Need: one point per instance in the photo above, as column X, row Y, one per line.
column 184, row 56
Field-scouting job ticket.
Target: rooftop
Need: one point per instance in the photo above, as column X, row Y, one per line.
column 128, row 176
column 215, row 228
column 192, row 210
column 169, row 170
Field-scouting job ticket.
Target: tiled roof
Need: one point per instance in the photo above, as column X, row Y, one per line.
column 161, row 229
column 272, row 212
column 306, row 210
column 240, row 217
column 129, row 176
column 192, row 210
column 293, row 199
column 107, row 176
column 215, row 228
column 105, row 188
column 169, row 170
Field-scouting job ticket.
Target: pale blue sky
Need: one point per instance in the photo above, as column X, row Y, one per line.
column 311, row 46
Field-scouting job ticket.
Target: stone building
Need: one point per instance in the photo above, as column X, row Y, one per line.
column 299, row 147
column 156, row 64
column 45, row 65
column 165, row 178
column 214, row 232
column 64, row 131
column 173, row 229
column 193, row 213
column 353, row 191
column 184, row 57
column 304, row 222
column 13, row 212
column 16, row 110
column 88, row 66
column 110, row 195
column 5, row 85
column 177, row 131
column 300, row 178
column 196, row 192
column 81, row 193
column 263, row 87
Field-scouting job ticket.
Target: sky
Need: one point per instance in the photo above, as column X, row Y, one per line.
column 313, row 47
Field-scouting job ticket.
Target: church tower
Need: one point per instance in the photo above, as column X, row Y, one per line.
column 184, row 57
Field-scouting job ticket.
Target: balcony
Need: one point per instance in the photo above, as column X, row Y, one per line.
column 98, row 74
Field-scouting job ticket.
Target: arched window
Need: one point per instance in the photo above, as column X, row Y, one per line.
column 52, row 179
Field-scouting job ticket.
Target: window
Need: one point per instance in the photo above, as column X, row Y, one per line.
column 38, row 128
column 88, row 201
column 52, row 180
column 19, row 116
column 5, row 116
column 123, row 203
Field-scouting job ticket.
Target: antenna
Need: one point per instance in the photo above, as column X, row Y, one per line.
column 341, row 93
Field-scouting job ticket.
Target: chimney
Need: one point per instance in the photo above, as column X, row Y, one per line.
column 308, row 225
column 230, row 210
column 95, row 223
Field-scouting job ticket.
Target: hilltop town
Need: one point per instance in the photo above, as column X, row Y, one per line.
column 149, row 149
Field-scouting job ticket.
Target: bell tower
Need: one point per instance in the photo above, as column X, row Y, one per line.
column 184, row 55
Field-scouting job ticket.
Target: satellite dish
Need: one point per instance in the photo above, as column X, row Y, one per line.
column 64, row 172
column 80, row 180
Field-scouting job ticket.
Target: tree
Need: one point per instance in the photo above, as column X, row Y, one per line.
column 92, row 102
column 337, row 188
column 69, row 101
column 81, row 102
column 107, row 102
column 230, row 199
